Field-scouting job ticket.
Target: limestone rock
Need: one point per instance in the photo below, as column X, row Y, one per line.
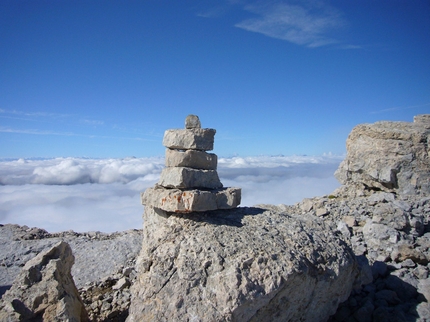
column 44, row 290
column 244, row 264
column 184, row 178
column 389, row 156
column 423, row 119
column 184, row 139
column 191, row 159
column 192, row 122
column 176, row 200
column 190, row 181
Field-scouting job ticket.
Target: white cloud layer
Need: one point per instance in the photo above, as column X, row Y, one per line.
column 104, row 194
column 307, row 23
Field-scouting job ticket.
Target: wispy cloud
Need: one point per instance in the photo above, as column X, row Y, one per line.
column 55, row 133
column 399, row 108
column 32, row 114
column 34, row 132
column 350, row 47
column 307, row 23
column 92, row 122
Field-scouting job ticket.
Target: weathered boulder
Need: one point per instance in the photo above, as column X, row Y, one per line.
column 191, row 159
column 194, row 138
column 44, row 290
column 388, row 156
column 243, row 264
column 176, row 200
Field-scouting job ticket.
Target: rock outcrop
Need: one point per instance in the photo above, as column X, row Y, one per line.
column 44, row 290
column 388, row 156
column 390, row 235
column 190, row 182
column 103, row 270
column 245, row 264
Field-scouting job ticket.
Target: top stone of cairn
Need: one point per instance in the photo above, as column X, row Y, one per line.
column 193, row 137
column 192, row 122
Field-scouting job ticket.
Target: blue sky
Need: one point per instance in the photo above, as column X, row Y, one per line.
column 106, row 78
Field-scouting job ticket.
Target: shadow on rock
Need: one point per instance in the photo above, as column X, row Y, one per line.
column 387, row 298
column 225, row 217
column 3, row 289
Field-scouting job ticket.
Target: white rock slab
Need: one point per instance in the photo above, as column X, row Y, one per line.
column 185, row 178
column 184, row 139
column 180, row 201
column 192, row 159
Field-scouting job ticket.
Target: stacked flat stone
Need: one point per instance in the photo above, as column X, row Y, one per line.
column 190, row 181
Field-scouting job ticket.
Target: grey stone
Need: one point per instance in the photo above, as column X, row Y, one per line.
column 307, row 204
column 350, row 221
column 380, row 197
column 422, row 119
column 421, row 272
column 403, row 252
column 389, row 156
column 379, row 236
column 424, row 288
column 245, row 264
column 423, row 310
column 183, row 201
column 121, row 284
column 322, row 212
column 194, row 139
column 192, row 122
column 185, row 178
column 408, row 263
column 343, row 228
column 191, row 159
column 45, row 290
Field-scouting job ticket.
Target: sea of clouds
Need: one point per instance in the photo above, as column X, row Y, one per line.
column 104, row 194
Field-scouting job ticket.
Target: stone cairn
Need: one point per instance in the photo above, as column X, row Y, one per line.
column 190, row 181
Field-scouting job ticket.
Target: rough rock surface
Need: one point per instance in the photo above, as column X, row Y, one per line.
column 101, row 260
column 191, row 159
column 194, row 138
column 245, row 264
column 185, row 178
column 388, row 156
column 176, row 200
column 390, row 235
column 44, row 290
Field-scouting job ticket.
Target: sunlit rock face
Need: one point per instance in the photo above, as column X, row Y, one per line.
column 44, row 290
column 388, row 156
column 243, row 264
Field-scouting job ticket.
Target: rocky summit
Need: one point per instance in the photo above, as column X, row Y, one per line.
column 360, row 254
